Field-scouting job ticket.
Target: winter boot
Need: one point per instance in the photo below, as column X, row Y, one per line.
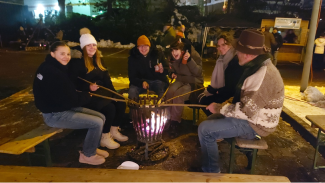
column 103, row 153
column 117, row 135
column 108, row 141
column 92, row 160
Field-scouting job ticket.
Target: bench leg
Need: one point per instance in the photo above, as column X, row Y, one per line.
column 43, row 150
column 47, row 153
column 194, row 116
column 232, row 155
column 253, row 161
column 316, row 150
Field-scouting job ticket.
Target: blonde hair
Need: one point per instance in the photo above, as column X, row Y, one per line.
column 89, row 61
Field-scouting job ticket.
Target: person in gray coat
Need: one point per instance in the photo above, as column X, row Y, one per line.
column 186, row 69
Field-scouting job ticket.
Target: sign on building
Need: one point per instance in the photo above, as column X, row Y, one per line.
column 287, row 23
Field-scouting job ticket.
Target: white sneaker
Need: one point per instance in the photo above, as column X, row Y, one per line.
column 92, row 160
column 103, row 153
column 108, row 141
column 117, row 135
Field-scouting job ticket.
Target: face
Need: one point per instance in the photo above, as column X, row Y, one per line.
column 275, row 31
column 222, row 46
column 241, row 58
column 62, row 54
column 177, row 54
column 91, row 49
column 144, row 49
column 263, row 29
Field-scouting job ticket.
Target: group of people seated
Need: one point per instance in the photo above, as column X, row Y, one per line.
column 244, row 72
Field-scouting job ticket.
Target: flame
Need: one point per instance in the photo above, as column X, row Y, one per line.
column 161, row 121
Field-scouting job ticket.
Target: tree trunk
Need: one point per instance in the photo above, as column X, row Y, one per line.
column 62, row 9
column 229, row 6
column 109, row 7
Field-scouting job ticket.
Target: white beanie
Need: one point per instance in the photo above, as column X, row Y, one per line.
column 87, row 39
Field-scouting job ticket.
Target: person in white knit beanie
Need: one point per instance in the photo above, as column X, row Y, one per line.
column 90, row 67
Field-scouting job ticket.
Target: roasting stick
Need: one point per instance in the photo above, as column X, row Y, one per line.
column 184, row 105
column 159, row 101
column 132, row 101
column 109, row 98
column 185, row 94
column 147, row 93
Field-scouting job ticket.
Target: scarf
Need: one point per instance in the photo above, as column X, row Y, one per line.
column 249, row 69
column 218, row 74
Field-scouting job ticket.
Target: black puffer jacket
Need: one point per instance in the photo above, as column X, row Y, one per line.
column 77, row 68
column 142, row 68
column 53, row 89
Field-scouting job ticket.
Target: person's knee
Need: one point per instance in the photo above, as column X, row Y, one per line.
column 98, row 122
column 203, row 128
column 133, row 92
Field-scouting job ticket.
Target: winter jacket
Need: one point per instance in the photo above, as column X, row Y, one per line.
column 77, row 68
column 53, row 89
column 320, row 43
column 233, row 73
column 279, row 40
column 190, row 72
column 141, row 68
column 269, row 40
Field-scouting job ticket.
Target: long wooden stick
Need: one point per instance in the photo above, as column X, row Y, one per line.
column 185, row 94
column 184, row 105
column 109, row 98
column 159, row 101
column 110, row 91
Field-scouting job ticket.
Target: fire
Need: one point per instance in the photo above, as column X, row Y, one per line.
column 161, row 121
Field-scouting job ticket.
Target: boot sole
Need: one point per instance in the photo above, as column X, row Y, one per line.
column 90, row 163
column 109, row 147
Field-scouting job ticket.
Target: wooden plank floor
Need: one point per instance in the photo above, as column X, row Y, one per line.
column 52, row 174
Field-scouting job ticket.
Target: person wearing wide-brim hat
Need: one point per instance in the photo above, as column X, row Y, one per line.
column 256, row 107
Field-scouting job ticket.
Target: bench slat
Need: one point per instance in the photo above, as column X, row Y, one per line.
column 54, row 174
column 252, row 144
column 29, row 140
column 317, row 120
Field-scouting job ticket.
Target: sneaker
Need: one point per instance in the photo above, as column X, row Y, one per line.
column 92, row 160
column 115, row 131
column 108, row 141
column 103, row 153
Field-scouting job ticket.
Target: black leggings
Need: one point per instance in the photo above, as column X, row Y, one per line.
column 113, row 112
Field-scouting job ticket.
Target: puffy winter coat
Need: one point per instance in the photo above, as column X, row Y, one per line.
column 320, row 43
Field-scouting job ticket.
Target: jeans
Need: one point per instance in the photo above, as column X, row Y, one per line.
column 80, row 118
column 275, row 57
column 156, row 85
column 211, row 130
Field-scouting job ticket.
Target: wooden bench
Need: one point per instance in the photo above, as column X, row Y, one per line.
column 318, row 121
column 54, row 174
column 28, row 141
column 246, row 145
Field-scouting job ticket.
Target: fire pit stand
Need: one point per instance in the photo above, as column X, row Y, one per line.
column 149, row 121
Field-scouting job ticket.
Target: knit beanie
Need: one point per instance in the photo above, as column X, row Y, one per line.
column 143, row 40
column 87, row 39
column 84, row 30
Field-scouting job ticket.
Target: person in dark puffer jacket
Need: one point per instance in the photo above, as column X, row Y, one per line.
column 59, row 101
column 90, row 67
column 147, row 69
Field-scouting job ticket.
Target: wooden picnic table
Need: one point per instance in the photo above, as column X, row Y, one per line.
column 318, row 121
column 54, row 174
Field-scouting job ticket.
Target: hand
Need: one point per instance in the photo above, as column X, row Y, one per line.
column 174, row 76
column 145, row 85
column 93, row 87
column 186, row 56
column 161, row 68
column 214, row 108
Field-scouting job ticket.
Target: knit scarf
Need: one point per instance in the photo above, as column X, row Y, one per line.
column 218, row 74
column 249, row 69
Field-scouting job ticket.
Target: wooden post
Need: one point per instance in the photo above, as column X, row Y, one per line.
column 310, row 46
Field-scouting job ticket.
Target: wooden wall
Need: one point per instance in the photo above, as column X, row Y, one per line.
column 291, row 52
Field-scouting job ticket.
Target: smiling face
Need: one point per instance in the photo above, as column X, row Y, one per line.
column 91, row 49
column 62, row 54
column 222, row 46
column 144, row 49
column 177, row 54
